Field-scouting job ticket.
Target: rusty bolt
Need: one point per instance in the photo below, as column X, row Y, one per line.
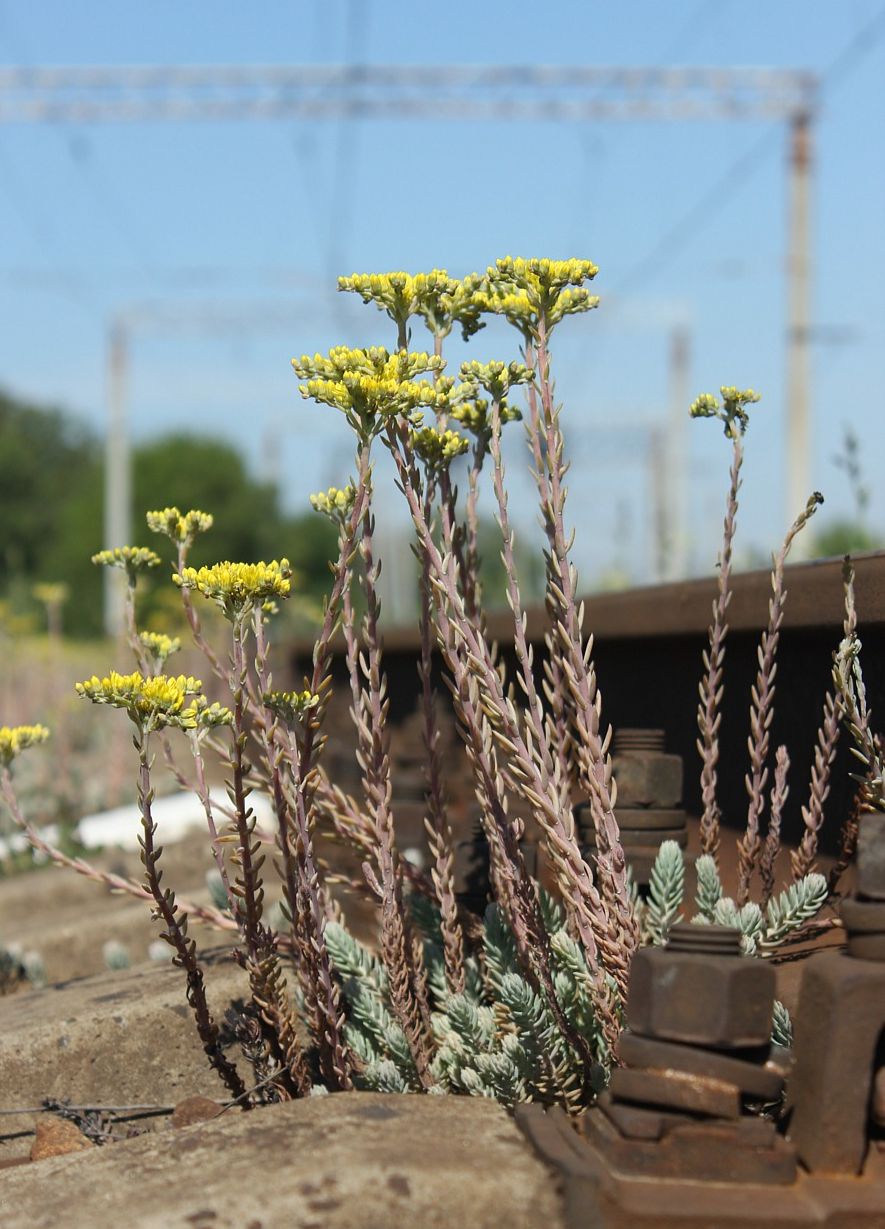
column 704, row 997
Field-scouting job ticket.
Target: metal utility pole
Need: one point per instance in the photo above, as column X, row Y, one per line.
column 519, row 93
column 676, row 459
column 797, row 443
column 117, row 476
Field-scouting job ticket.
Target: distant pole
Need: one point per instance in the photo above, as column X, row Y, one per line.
column 798, row 383
column 658, row 486
column 676, row 453
column 117, row 477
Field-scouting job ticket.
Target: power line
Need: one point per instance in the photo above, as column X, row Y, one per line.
column 698, row 217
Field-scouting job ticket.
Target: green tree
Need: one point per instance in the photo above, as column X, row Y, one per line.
column 42, row 453
column 51, row 491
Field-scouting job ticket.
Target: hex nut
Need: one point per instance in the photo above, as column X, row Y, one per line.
column 723, row 1002
column 871, row 856
column 648, row 778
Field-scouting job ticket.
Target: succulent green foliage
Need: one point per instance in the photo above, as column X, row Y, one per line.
column 496, row 1039
column 795, row 905
column 115, row 955
column 781, row 1026
column 666, row 889
column 18, row 965
column 785, row 913
column 747, row 919
column 709, row 886
column 217, row 890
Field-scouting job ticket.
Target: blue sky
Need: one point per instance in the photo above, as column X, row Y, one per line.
column 247, row 218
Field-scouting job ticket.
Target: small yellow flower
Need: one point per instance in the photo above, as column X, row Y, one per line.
column 371, row 385
column 291, row 706
column 238, row 587
column 51, row 593
column 131, row 559
column 17, row 738
column 336, row 503
column 159, row 646
column 439, row 299
column 472, row 414
column 436, row 448
column 496, row 378
column 181, row 528
column 732, row 412
column 156, row 702
column 529, row 292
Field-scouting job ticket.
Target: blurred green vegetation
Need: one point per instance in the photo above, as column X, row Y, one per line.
column 51, row 484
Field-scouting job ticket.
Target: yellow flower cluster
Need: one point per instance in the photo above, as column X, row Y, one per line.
column 17, row 738
column 441, row 300
column 159, row 646
column 132, row 559
column 436, row 448
column 496, row 378
column 473, row 415
column 291, row 706
column 238, row 587
column 527, row 292
column 731, row 412
column 336, row 503
column 52, row 593
column 182, row 528
column 156, row 702
column 369, row 385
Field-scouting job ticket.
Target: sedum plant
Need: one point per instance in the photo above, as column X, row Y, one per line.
column 528, row 1003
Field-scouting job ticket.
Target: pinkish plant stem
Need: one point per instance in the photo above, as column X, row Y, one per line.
column 803, row 859
column 116, row 883
column 772, row 844
column 762, row 707
column 479, row 690
column 405, row 987
column 175, row 924
column 439, row 832
column 711, row 688
column 594, row 762
column 302, row 887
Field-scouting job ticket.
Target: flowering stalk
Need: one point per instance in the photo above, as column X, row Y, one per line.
column 555, row 686
column 771, row 847
column 399, row 955
column 849, row 683
column 573, row 874
column 439, row 832
column 802, row 860
column 711, row 686
column 301, row 883
column 469, row 660
column 762, row 707
column 260, row 957
column 175, row 933
column 594, row 762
